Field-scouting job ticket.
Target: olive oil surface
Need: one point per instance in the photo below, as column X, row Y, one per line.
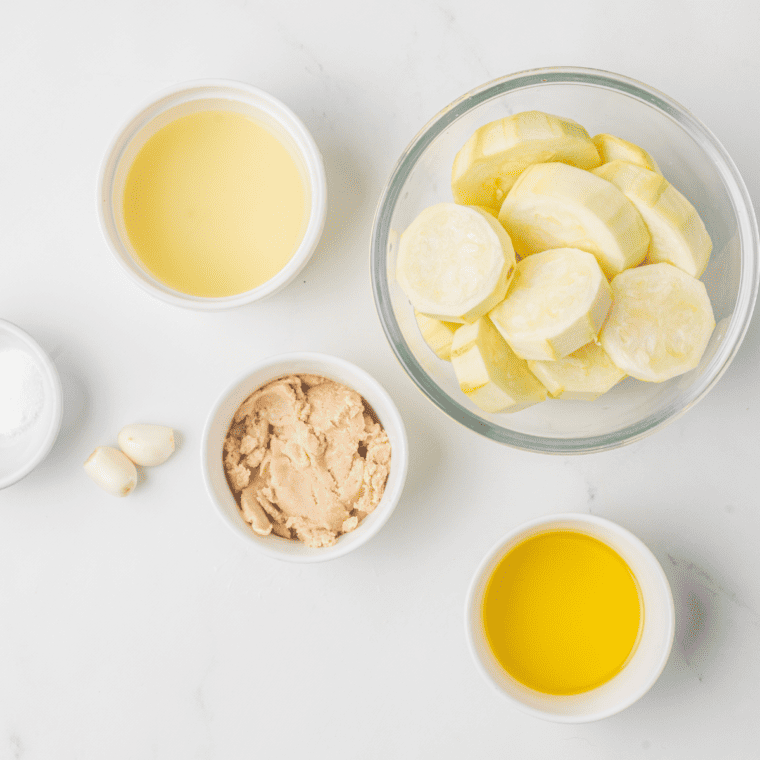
column 214, row 204
column 562, row 612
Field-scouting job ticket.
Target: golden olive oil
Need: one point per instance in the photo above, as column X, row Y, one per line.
column 214, row 204
column 562, row 612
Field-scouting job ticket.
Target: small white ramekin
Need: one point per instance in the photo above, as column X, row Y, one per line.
column 21, row 455
column 644, row 666
column 166, row 107
column 218, row 424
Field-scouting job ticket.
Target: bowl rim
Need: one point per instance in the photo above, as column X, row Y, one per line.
column 668, row 634
column 151, row 108
column 399, row 453
column 746, row 224
column 46, row 365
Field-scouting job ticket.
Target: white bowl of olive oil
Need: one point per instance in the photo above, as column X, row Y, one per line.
column 570, row 617
column 212, row 195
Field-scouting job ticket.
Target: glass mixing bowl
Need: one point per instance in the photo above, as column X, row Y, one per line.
column 689, row 156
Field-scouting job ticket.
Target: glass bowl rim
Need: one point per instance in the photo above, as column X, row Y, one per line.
column 738, row 195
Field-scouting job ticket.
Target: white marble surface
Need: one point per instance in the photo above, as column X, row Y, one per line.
column 143, row 628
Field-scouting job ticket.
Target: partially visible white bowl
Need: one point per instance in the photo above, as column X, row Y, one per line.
column 167, row 106
column 641, row 670
column 20, row 455
column 218, row 424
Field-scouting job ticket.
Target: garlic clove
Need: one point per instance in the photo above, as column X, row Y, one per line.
column 111, row 470
column 147, row 445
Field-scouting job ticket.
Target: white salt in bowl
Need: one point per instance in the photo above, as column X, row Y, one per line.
column 218, row 424
column 22, row 452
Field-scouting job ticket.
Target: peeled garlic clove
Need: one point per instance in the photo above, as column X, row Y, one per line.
column 111, row 470
column 147, row 445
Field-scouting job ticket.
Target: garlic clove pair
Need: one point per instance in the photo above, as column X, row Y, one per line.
column 145, row 445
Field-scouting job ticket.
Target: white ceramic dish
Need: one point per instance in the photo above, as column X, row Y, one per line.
column 22, row 453
column 218, row 424
column 192, row 97
column 648, row 659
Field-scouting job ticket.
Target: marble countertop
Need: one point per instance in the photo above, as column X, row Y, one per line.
column 142, row 628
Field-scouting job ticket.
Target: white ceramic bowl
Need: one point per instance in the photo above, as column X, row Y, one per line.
column 651, row 652
column 21, row 454
column 218, row 424
column 166, row 107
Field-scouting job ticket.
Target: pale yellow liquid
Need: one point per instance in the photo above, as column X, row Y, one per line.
column 214, row 204
column 562, row 612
